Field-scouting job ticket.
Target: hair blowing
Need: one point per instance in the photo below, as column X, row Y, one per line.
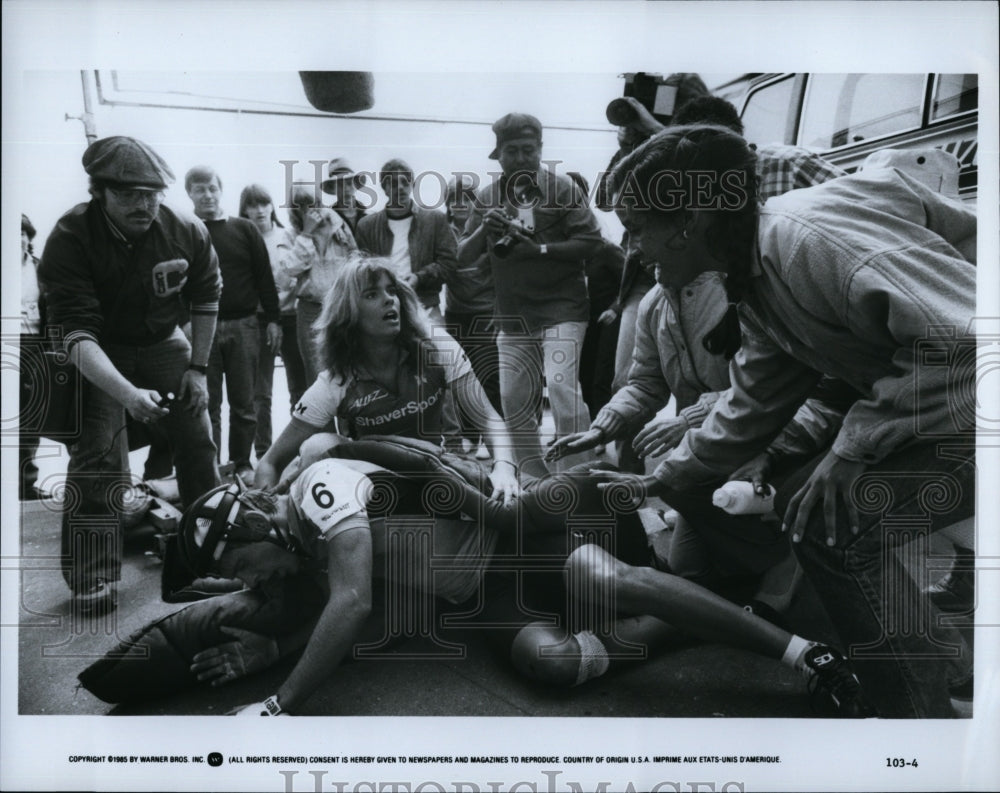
column 338, row 325
column 702, row 148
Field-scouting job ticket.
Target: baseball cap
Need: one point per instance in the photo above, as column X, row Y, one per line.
column 512, row 126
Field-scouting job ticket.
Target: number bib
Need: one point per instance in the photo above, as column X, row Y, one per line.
column 327, row 493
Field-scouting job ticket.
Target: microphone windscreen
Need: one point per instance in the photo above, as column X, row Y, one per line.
column 339, row 92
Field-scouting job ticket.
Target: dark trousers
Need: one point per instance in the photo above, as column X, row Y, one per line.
column 597, row 364
column 295, row 373
column 234, row 357
column 97, row 475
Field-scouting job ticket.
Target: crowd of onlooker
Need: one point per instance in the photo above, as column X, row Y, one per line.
column 764, row 320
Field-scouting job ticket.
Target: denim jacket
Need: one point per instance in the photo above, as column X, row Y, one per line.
column 870, row 279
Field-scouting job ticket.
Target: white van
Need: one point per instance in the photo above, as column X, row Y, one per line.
column 846, row 117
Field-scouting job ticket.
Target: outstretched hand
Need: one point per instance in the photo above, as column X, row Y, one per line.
column 659, row 436
column 249, row 652
column 573, row 443
column 636, row 486
column 505, row 485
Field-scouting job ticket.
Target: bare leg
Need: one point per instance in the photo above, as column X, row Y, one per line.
column 602, row 588
column 595, row 576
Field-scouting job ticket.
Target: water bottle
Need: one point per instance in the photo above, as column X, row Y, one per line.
column 739, row 498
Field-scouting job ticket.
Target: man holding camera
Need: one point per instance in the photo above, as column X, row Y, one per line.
column 113, row 275
column 538, row 231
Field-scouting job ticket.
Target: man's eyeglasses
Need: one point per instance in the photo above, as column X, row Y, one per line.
column 131, row 195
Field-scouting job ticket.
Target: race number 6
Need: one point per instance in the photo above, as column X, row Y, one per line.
column 322, row 496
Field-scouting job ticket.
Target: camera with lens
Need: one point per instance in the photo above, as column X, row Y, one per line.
column 502, row 247
column 652, row 91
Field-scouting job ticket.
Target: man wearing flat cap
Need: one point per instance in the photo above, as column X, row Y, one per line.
column 537, row 229
column 114, row 273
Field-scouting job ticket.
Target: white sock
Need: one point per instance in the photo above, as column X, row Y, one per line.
column 795, row 652
column 594, row 660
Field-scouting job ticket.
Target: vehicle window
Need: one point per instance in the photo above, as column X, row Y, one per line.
column 955, row 93
column 766, row 115
column 848, row 108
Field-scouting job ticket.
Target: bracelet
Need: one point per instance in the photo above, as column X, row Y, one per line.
column 272, row 706
column 200, row 368
column 509, row 462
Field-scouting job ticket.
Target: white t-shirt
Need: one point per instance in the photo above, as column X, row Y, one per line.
column 399, row 257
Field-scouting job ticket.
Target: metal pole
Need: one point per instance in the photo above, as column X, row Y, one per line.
column 89, row 128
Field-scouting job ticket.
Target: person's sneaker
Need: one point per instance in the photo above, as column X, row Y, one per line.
column 100, row 598
column 482, row 453
column 955, row 592
column 35, row 493
column 833, row 687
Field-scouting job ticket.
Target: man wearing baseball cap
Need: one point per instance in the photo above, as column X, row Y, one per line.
column 537, row 229
column 114, row 273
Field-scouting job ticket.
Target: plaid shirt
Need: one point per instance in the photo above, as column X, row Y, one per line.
column 783, row 168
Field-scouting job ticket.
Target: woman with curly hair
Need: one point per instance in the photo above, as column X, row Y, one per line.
column 383, row 373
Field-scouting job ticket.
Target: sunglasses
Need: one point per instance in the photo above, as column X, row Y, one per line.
column 133, row 195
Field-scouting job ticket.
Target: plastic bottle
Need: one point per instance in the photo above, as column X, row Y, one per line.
column 739, row 498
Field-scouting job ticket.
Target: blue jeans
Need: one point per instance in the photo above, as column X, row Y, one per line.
column 234, row 355
column 98, row 469
column 294, row 373
column 525, row 358
column 901, row 650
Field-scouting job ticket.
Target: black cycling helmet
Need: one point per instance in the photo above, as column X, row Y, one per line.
column 222, row 514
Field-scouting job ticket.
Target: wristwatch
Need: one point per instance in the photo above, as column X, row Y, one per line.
column 200, row 368
column 271, row 706
column 543, row 249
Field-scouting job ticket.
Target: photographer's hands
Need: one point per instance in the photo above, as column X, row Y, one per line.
column 496, row 222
